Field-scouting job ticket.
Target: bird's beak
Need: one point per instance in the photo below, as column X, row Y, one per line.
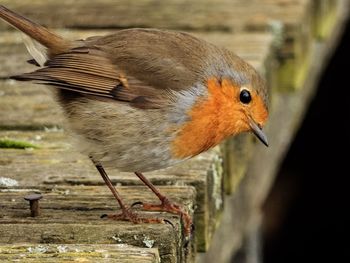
column 258, row 132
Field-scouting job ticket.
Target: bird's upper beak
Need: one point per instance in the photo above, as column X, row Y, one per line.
column 257, row 130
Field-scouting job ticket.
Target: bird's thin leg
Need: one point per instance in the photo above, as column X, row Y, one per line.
column 161, row 197
column 166, row 205
column 127, row 214
column 110, row 185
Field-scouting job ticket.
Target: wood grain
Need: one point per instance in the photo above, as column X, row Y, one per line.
column 61, row 253
column 56, row 162
column 71, row 215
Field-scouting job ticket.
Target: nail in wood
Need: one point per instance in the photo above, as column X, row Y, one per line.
column 34, row 204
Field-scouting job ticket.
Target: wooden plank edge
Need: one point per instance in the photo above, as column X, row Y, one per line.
column 41, row 253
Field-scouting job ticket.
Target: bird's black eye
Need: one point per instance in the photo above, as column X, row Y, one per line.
column 245, row 97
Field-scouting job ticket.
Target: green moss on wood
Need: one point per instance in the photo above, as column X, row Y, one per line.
column 12, row 144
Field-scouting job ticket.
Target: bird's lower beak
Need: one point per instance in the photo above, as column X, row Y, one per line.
column 258, row 132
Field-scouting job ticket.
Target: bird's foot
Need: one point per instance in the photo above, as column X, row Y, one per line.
column 167, row 206
column 130, row 216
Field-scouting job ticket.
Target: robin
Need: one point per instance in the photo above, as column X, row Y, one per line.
column 143, row 99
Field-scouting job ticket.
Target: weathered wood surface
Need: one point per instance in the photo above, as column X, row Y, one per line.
column 325, row 13
column 27, row 106
column 207, row 15
column 62, row 253
column 283, row 55
column 56, row 162
column 292, row 22
column 252, row 47
column 71, row 215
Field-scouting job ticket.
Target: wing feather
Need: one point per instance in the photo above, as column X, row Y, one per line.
column 89, row 71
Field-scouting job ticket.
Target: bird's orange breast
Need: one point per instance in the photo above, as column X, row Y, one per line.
column 212, row 119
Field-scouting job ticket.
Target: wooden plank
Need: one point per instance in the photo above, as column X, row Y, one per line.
column 55, row 162
column 71, row 215
column 290, row 21
column 61, row 253
column 253, row 47
column 205, row 15
column 27, row 106
column 294, row 53
column 238, row 152
column 326, row 12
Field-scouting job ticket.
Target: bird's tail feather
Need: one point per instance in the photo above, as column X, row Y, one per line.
column 54, row 43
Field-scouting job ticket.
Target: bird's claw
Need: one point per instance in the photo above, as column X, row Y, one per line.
column 128, row 215
column 167, row 206
column 137, row 203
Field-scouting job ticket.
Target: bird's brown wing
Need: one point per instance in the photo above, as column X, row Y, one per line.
column 161, row 58
column 89, row 71
column 144, row 67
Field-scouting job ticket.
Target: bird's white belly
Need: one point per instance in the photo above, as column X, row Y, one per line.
column 122, row 137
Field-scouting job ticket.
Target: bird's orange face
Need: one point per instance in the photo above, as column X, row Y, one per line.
column 228, row 110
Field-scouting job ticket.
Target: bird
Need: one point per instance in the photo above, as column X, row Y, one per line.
column 143, row 99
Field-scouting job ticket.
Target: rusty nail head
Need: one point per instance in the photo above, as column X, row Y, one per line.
column 34, row 203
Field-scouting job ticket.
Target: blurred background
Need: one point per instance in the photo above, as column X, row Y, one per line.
column 306, row 214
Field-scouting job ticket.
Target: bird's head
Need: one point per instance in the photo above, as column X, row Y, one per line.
column 244, row 96
column 235, row 102
column 239, row 108
column 248, row 108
